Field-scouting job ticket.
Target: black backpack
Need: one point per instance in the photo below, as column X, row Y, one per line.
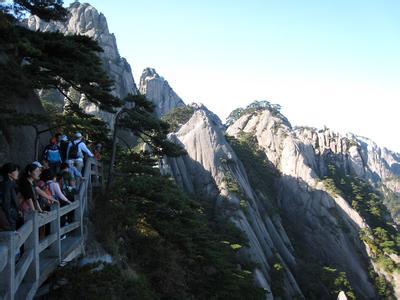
column 64, row 150
column 73, row 152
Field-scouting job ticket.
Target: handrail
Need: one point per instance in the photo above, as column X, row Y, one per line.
column 20, row 278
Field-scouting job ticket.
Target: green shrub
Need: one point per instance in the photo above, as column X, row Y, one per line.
column 173, row 241
column 260, row 171
column 252, row 108
column 277, row 277
column 95, row 281
column 369, row 203
column 178, row 116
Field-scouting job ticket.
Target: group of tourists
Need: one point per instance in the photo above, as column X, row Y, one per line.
column 62, row 150
column 54, row 179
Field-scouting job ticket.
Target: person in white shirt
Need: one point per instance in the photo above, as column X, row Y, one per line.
column 76, row 151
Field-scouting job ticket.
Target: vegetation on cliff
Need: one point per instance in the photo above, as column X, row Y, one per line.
column 178, row 116
column 381, row 235
column 318, row 279
column 173, row 244
column 252, row 108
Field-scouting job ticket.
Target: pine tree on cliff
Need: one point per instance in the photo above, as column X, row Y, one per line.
column 44, row 60
column 50, row 60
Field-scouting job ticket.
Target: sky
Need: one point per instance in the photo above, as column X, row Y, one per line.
column 333, row 63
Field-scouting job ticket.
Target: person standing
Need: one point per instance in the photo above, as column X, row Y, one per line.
column 27, row 185
column 9, row 203
column 64, row 143
column 53, row 155
column 76, row 151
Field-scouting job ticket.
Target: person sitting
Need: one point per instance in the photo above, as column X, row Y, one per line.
column 76, row 151
column 10, row 219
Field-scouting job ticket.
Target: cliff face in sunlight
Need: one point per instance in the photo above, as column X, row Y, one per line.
column 328, row 223
column 84, row 19
column 157, row 90
column 316, row 207
column 310, row 213
column 212, row 169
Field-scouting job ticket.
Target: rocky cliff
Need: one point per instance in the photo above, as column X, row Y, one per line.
column 322, row 218
column 303, row 211
column 212, row 170
column 157, row 90
column 84, row 19
column 358, row 156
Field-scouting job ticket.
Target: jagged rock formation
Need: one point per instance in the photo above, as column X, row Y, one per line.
column 206, row 171
column 357, row 155
column 157, row 89
column 325, row 220
column 366, row 158
column 84, row 19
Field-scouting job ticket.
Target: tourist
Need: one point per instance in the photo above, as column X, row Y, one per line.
column 54, row 188
column 64, row 143
column 53, row 155
column 9, row 199
column 27, row 185
column 76, row 151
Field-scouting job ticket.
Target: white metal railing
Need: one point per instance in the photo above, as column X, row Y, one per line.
column 40, row 257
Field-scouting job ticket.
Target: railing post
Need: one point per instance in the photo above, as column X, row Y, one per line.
column 7, row 279
column 32, row 242
column 78, row 212
column 55, row 248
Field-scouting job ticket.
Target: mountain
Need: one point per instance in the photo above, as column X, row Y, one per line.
column 318, row 167
column 212, row 170
column 358, row 156
column 157, row 90
column 319, row 210
column 84, row 19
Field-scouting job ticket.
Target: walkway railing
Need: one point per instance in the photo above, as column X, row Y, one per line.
column 40, row 257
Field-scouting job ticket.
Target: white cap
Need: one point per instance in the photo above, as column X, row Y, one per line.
column 78, row 135
column 37, row 164
column 64, row 138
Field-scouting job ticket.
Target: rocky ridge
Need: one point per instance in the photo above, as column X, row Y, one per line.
column 323, row 218
column 84, row 19
column 358, row 156
column 157, row 90
column 207, row 170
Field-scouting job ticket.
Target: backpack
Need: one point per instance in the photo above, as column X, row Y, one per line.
column 43, row 202
column 74, row 151
column 64, row 150
column 53, row 154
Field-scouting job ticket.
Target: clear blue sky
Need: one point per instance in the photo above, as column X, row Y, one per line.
column 334, row 63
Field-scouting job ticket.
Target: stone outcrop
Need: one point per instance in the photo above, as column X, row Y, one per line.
column 358, row 156
column 206, row 172
column 84, row 19
column 325, row 220
column 157, row 89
